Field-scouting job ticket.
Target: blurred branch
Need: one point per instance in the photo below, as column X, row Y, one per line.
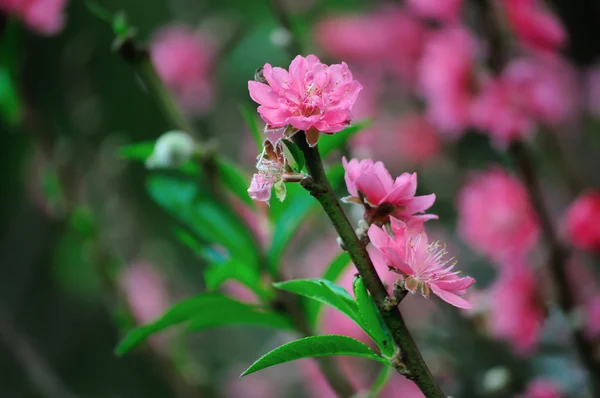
column 39, row 372
column 559, row 256
column 409, row 362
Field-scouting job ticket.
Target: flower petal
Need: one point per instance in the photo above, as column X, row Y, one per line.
column 263, row 94
column 371, row 187
column 450, row 298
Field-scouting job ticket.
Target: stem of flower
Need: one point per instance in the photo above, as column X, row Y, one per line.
column 559, row 256
column 321, row 190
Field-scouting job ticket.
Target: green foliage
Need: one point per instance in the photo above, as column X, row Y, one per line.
column 329, row 143
column 10, row 101
column 311, row 347
column 235, row 180
column 202, row 312
column 297, row 155
column 289, row 215
column 210, row 220
column 372, row 321
column 325, row 292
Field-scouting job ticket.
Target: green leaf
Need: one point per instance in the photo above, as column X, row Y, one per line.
column 373, row 323
column 218, row 273
column 296, row 154
column 137, row 151
column 249, row 115
column 10, row 103
column 311, row 347
column 210, row 220
column 325, row 292
column 203, row 312
column 288, row 216
column 235, row 180
column 330, row 142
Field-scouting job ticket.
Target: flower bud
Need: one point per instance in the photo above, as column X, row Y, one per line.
column 172, row 149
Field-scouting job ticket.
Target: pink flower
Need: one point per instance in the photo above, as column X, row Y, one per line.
column 419, row 141
column 371, row 185
column 592, row 317
column 516, row 311
column 446, row 11
column 446, row 79
column 542, row 388
column 271, row 166
column 535, row 27
column 495, row 216
column 500, row 111
column 43, row 16
column 422, row 264
column 312, row 97
column 582, row 221
column 548, row 87
column 183, row 59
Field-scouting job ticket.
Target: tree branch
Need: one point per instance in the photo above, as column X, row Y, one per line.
column 559, row 256
column 322, row 191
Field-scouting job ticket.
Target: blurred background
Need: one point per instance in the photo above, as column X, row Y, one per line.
column 87, row 252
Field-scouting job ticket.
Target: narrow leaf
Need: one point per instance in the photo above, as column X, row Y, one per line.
column 296, row 154
column 235, row 180
column 202, row 312
column 325, row 292
column 314, row 346
column 372, row 322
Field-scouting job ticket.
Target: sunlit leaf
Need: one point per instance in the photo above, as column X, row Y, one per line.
column 311, row 347
column 202, row 312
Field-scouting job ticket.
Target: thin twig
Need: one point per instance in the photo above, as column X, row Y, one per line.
column 322, row 191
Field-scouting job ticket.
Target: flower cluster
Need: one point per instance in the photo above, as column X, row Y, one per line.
column 271, row 167
column 398, row 233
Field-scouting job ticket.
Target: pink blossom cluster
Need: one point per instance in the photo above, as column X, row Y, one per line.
column 582, row 221
column 43, row 16
column 398, row 233
column 443, row 65
column 184, row 60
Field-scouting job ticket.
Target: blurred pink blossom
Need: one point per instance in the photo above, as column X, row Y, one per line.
column 312, row 97
column 516, row 311
column 535, row 26
column 372, row 39
column 446, row 11
column 495, row 216
column 582, row 221
column 183, row 59
column 548, row 86
column 146, row 293
column 542, row 388
column 592, row 317
column 418, row 139
column 370, row 183
column 446, row 76
column 500, row 111
column 43, row 16
column 424, row 266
